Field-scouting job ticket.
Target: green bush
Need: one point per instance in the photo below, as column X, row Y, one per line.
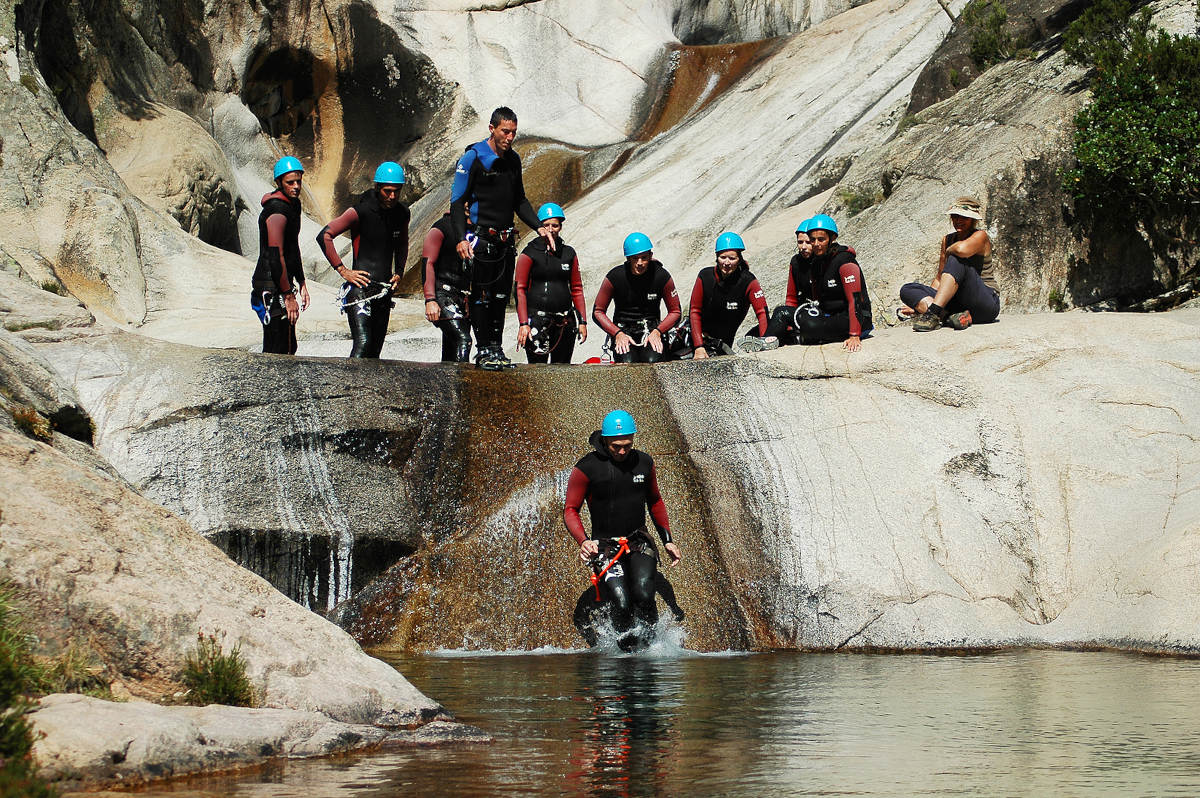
column 214, row 677
column 991, row 41
column 857, row 201
column 19, row 676
column 1136, row 143
column 1057, row 300
column 54, row 287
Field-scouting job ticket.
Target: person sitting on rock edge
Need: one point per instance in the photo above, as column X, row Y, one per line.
column 721, row 297
column 964, row 289
column 800, row 288
column 619, row 483
column 842, row 310
column 636, row 288
column 279, row 272
column 378, row 226
column 550, row 303
column 447, row 288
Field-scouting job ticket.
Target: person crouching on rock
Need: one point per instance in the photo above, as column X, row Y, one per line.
column 279, row 274
column 550, row 304
column 721, row 297
column 378, row 227
column 800, row 289
column 636, row 288
column 841, row 309
column 447, row 290
column 619, row 482
column 964, row 289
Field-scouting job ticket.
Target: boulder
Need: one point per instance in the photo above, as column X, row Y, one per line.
column 136, row 585
column 85, row 741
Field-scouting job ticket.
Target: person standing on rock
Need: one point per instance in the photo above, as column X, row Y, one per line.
column 447, row 290
column 842, row 309
column 636, row 288
column 279, row 274
column 378, row 227
column 721, row 298
column 487, row 191
column 619, row 483
column 550, row 305
column 801, row 288
column 964, row 289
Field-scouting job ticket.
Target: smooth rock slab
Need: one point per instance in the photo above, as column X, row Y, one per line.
column 89, row 740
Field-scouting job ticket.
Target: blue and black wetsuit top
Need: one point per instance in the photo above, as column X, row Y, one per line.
column 491, row 187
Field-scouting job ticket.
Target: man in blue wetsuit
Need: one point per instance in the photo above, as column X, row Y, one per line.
column 487, row 191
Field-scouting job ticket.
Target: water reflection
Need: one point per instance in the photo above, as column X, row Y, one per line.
column 674, row 723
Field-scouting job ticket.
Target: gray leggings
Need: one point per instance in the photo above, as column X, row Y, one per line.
column 972, row 294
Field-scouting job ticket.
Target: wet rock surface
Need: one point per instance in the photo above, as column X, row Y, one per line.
column 89, row 741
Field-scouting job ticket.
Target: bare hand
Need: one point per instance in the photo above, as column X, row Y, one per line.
column 304, row 298
column 853, row 343
column 622, row 343
column 581, row 332
column 674, row 553
column 700, row 354
column 465, row 250
column 433, row 311
column 356, row 277
column 545, row 233
column 589, row 549
column 291, row 308
column 654, row 339
column 394, row 283
column 523, row 334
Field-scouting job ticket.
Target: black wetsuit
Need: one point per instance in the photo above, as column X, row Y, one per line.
column 448, row 283
column 492, row 188
column 618, row 494
column 267, row 289
column 636, row 301
column 380, row 242
column 842, row 307
column 718, row 308
column 549, row 300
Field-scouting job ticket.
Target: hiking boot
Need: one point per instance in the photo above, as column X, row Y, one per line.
column 492, row 359
column 752, row 343
column 926, row 322
column 959, row 321
column 769, row 342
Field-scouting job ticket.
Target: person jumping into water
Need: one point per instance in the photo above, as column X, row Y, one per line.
column 619, row 483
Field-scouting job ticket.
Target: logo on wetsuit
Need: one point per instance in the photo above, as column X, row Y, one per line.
column 849, row 278
column 639, row 477
column 731, row 306
column 652, row 297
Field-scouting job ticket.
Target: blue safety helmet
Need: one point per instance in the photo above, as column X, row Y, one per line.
column 636, row 244
column 551, row 211
column 822, row 222
column 390, row 173
column 618, row 424
column 804, row 226
column 730, row 241
column 287, row 164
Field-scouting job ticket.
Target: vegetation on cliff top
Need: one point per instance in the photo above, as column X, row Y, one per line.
column 20, row 675
column 1136, row 143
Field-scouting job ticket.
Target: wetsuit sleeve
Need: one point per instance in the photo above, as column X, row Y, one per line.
column 600, row 308
column 347, row 221
column 658, row 508
column 459, row 192
column 793, row 297
column 401, row 250
column 852, row 280
column 276, row 228
column 758, row 301
column 430, row 250
column 577, row 292
column 577, row 488
column 695, row 306
column 524, row 264
column 671, row 297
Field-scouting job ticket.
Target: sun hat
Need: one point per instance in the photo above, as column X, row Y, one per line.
column 969, row 207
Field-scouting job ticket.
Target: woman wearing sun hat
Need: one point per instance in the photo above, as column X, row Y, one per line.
column 964, row 290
